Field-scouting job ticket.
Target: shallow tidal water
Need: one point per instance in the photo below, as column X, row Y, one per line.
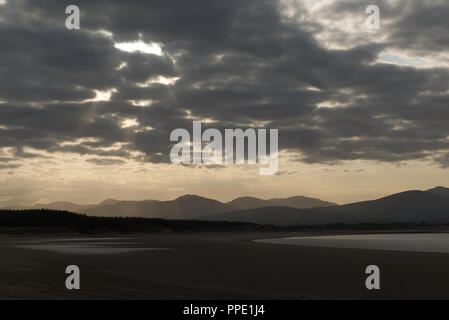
column 96, row 246
column 414, row 242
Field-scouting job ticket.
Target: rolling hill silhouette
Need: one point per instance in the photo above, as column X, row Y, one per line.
column 404, row 207
column 431, row 206
column 185, row 207
column 193, row 207
column 298, row 202
column 64, row 205
column 440, row 191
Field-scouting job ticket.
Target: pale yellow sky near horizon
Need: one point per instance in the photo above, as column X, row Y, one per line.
column 69, row 177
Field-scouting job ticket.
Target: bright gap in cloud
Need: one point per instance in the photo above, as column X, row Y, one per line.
column 79, row 141
column 121, row 66
column 129, row 122
column 144, row 129
column 393, row 58
column 141, row 103
column 101, row 95
column 190, row 116
column 140, row 46
column 331, row 104
column 104, row 33
column 159, row 79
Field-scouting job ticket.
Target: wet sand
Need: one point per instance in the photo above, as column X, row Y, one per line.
column 211, row 266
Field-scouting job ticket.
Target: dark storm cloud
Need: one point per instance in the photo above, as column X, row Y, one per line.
column 141, row 67
column 428, row 20
column 238, row 63
column 410, row 25
column 52, row 64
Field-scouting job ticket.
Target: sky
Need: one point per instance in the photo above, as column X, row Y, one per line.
column 87, row 114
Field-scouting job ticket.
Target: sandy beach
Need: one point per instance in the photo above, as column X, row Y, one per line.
column 211, row 266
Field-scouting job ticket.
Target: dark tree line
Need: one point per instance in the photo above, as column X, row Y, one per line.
column 52, row 219
column 45, row 220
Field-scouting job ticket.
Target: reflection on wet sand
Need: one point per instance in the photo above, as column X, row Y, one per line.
column 94, row 246
column 413, row 242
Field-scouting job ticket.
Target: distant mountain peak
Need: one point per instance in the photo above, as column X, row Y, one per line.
column 108, row 202
column 190, row 196
column 439, row 191
column 438, row 188
column 299, row 202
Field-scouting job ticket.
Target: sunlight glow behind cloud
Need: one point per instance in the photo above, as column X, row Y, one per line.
column 140, row 46
column 160, row 79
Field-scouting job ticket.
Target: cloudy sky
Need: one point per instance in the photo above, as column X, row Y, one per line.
column 87, row 114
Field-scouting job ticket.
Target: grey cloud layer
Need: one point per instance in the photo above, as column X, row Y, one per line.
column 239, row 62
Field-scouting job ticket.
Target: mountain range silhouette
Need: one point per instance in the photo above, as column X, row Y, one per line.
column 430, row 206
